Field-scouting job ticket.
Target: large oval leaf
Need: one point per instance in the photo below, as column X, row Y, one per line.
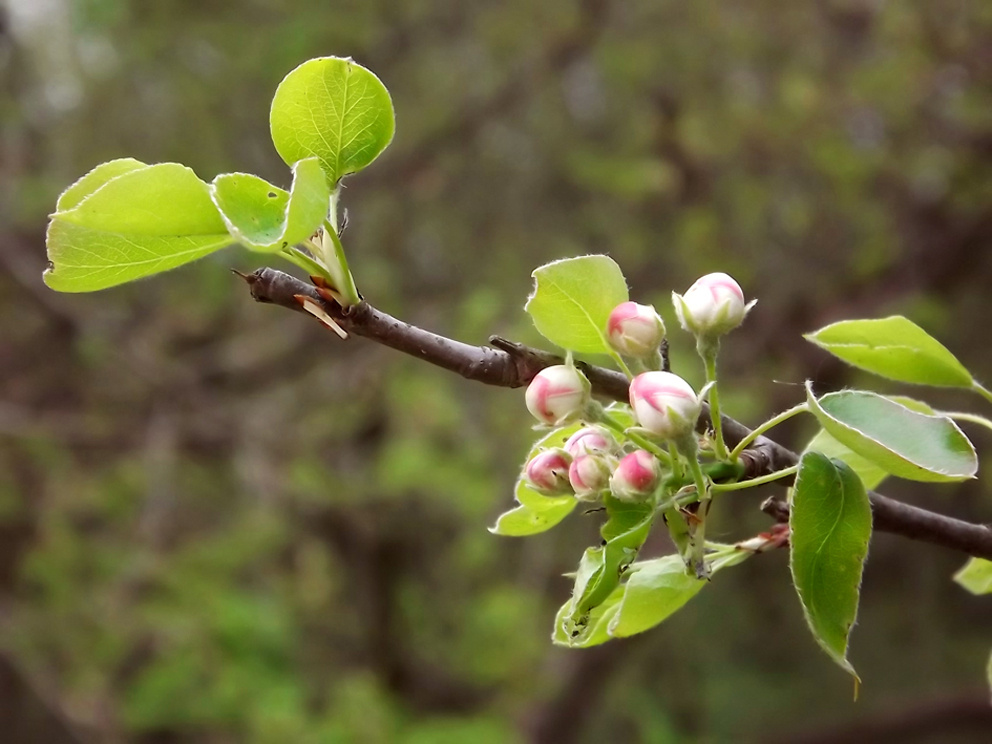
column 830, row 526
column 905, row 443
column 334, row 109
column 265, row 218
column 572, row 301
column 893, row 347
column 139, row 222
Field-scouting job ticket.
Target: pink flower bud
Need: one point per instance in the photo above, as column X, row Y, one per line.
column 664, row 404
column 558, row 395
column 635, row 330
column 712, row 306
column 547, row 472
column 590, row 475
column 591, row 440
column 636, row 476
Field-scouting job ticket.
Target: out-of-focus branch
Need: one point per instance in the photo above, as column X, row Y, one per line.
column 506, row 364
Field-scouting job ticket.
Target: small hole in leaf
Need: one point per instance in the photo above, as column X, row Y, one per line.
column 273, row 195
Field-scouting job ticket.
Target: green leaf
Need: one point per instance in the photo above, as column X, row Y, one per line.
column 904, row 442
column 164, row 199
column 537, row 513
column 594, row 631
column 265, row 218
column 830, row 523
column 976, row 576
column 601, row 568
column 573, row 299
column 94, row 180
column 870, row 473
column 895, row 348
column 334, row 109
column 141, row 222
column 654, row 592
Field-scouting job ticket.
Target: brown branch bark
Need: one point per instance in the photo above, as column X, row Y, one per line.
column 507, row 364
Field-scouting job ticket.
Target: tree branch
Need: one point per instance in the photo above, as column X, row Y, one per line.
column 507, row 364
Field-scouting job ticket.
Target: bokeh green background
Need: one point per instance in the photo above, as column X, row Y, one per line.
column 219, row 523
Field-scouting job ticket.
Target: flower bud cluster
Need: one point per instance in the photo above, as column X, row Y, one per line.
column 590, row 464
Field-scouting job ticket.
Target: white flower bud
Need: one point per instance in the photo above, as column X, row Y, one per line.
column 547, row 472
column 712, row 306
column 590, row 475
column 664, row 404
column 635, row 330
column 591, row 440
column 558, row 395
column 636, row 476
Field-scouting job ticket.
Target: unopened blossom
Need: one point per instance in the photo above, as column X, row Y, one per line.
column 664, row 404
column 636, row 477
column 591, row 440
column 547, row 472
column 635, row 330
column 712, row 306
column 589, row 475
column 558, row 395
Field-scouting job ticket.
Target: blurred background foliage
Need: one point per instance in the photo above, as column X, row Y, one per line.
column 219, row 523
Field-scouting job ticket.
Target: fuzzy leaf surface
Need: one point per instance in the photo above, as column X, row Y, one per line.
column 265, row 218
column 333, row 109
column 572, row 301
column 895, row 348
column 830, row 523
column 904, row 442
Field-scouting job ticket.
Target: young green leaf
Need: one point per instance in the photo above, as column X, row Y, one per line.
column 143, row 221
column 830, row 524
column 893, row 347
column 572, row 301
column 95, row 179
column 904, row 442
column 594, row 631
column 537, row 513
column 162, row 199
column 655, row 591
column 265, row 218
column 976, row 576
column 334, row 109
column 601, row 568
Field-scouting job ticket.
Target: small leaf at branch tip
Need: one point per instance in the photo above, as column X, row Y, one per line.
column 320, row 314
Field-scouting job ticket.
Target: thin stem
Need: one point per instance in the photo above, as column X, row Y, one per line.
column 972, row 417
column 769, row 424
column 305, row 262
column 337, row 263
column 643, row 442
column 983, row 391
column 778, row 474
column 622, row 365
column 676, row 463
column 699, row 479
column 708, row 352
column 332, row 210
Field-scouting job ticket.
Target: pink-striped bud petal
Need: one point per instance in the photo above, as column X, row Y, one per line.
column 547, row 472
column 636, row 476
column 590, row 475
column 664, row 404
column 558, row 395
column 635, row 330
column 712, row 306
column 591, row 440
